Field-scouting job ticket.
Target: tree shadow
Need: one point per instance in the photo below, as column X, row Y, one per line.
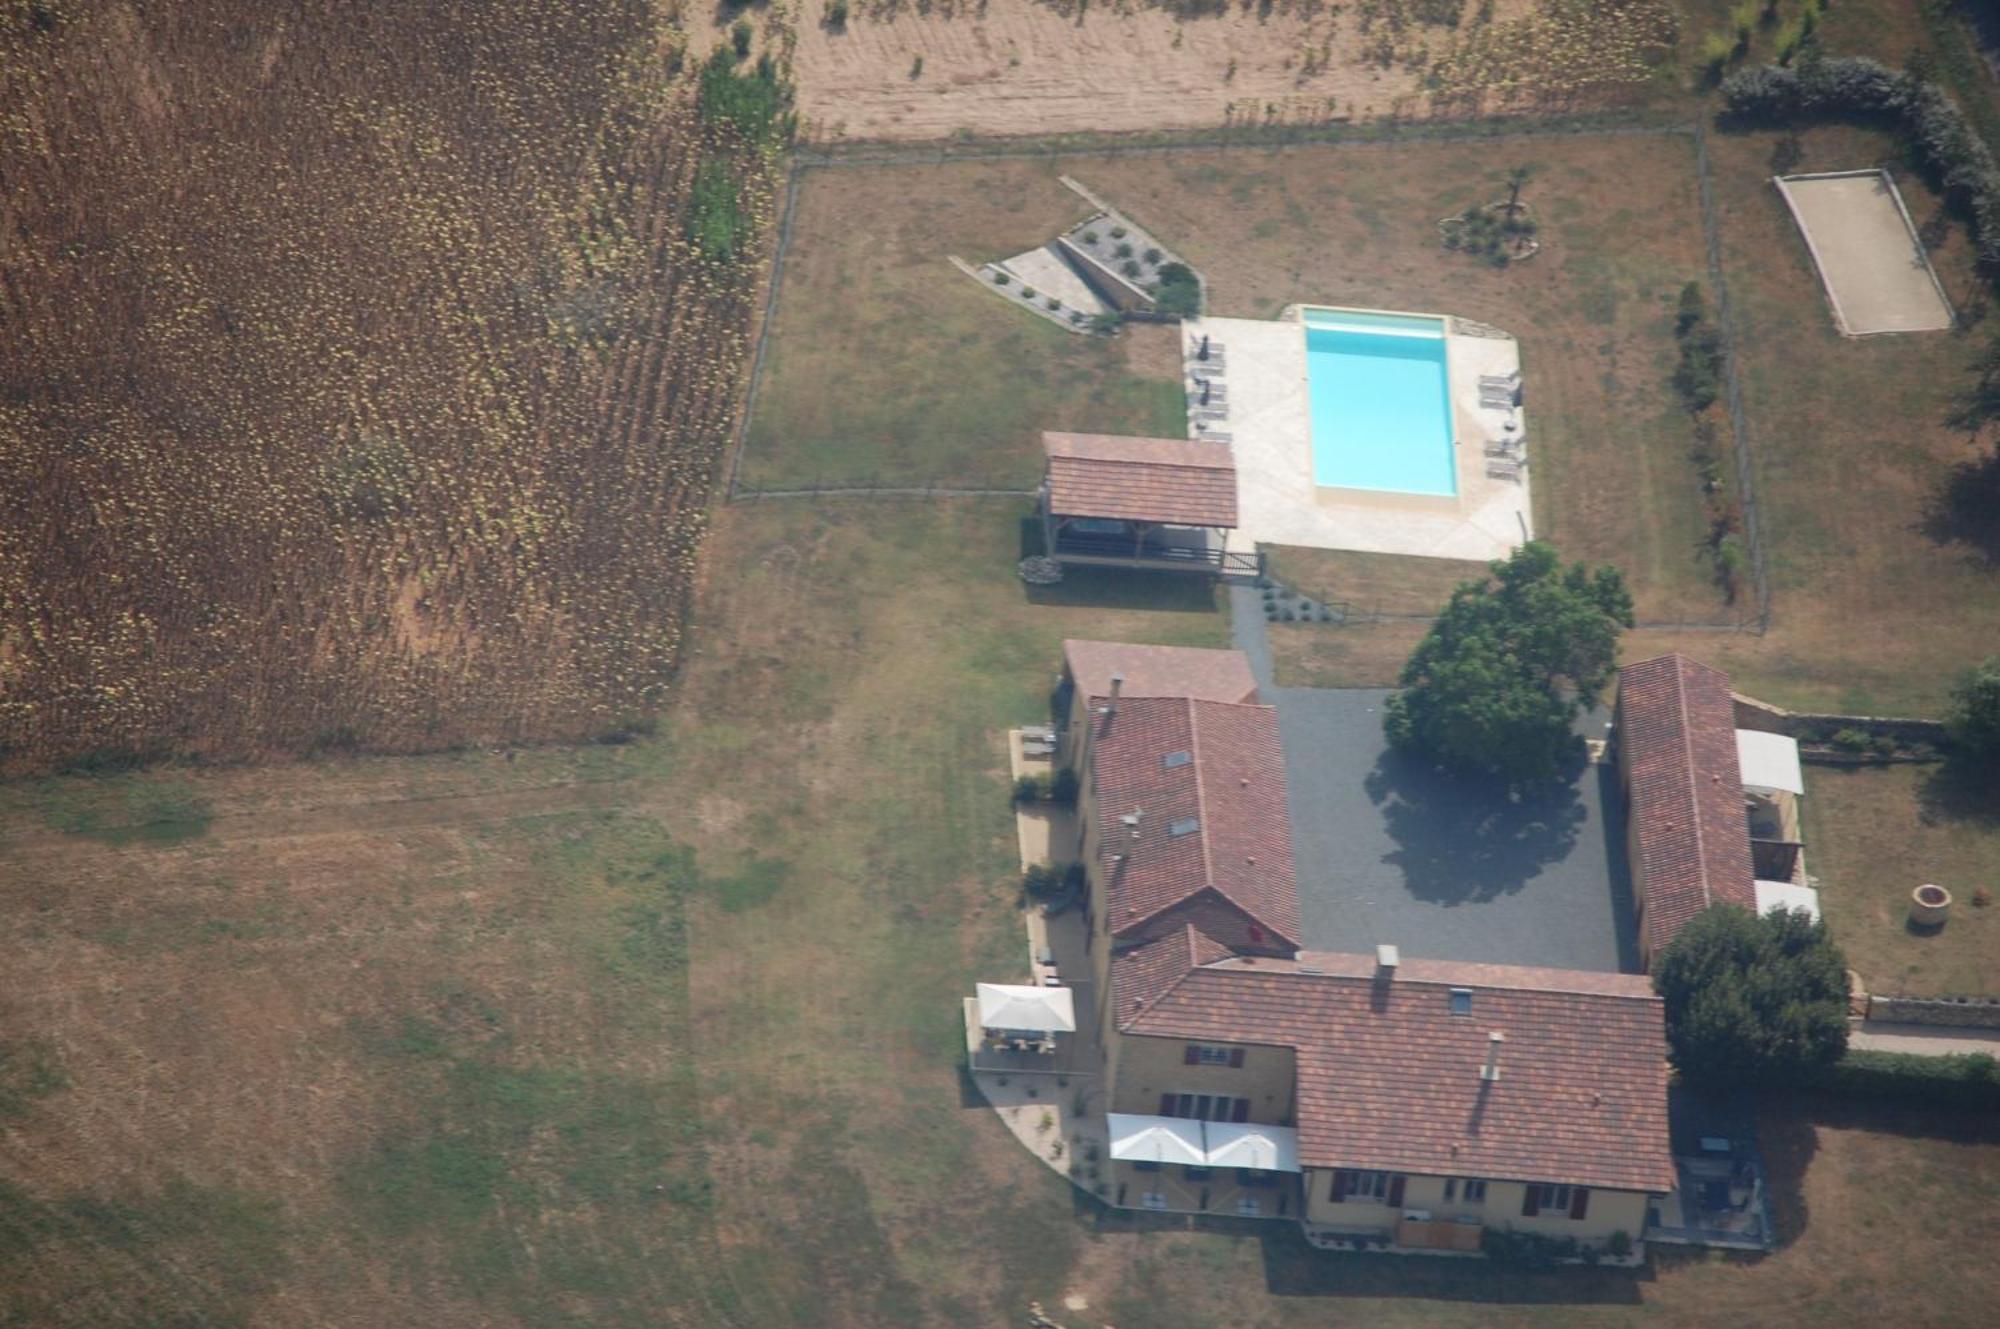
column 1965, row 509
column 1465, row 839
column 1958, row 791
column 1294, row 1267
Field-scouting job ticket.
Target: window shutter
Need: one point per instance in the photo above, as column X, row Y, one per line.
column 1242, row 1110
column 1579, row 1201
column 1396, row 1191
column 1531, row 1200
column 1339, row 1187
column 1236, row 1057
column 1166, row 1105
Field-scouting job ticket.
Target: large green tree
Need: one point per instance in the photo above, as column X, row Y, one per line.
column 1752, row 999
column 1497, row 684
column 1974, row 721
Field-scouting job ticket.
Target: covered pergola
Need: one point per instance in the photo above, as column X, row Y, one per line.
column 1165, row 503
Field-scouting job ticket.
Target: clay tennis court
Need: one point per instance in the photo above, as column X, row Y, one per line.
column 1874, row 270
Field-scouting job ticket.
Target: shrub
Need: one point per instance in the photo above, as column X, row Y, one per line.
column 1040, row 881
column 1716, row 52
column 757, row 104
column 1118, row 233
column 1027, row 789
column 1178, row 290
column 1973, row 723
column 1063, row 787
column 1527, row 1250
column 1618, row 1244
column 1693, row 309
column 1027, row 292
column 1129, row 268
column 1851, row 740
column 1153, row 257
column 1001, row 279
column 739, row 37
column 1970, row 1080
column 1090, row 237
column 836, row 14
column 1124, row 250
column 917, row 67
column 715, row 218
column 1054, row 303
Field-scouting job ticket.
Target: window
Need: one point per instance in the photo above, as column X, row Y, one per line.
column 1355, row 1187
column 1205, row 1107
column 1144, row 1165
column 1184, row 826
column 1475, row 1190
column 1549, row 1198
column 1461, row 1001
column 1173, row 759
column 1152, row 1200
column 1198, row 1173
column 1208, row 1054
column 1450, row 1189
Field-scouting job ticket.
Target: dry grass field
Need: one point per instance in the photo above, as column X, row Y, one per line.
column 359, row 383
column 1879, row 601
column 458, row 1040
column 1872, row 835
column 876, row 305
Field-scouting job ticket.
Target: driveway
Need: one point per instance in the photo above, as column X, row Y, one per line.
column 1443, row 867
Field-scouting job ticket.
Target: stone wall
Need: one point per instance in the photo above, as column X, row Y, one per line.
column 1761, row 715
column 1957, row 1012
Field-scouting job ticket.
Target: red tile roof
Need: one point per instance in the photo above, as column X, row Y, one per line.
column 1141, row 974
column 1170, row 480
column 1160, row 671
column 1213, row 823
column 1677, row 726
column 1389, row 1078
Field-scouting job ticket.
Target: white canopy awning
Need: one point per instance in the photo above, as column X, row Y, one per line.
column 1023, row 1007
column 1783, row 895
column 1256, row 1148
column 1769, row 762
column 1138, row 1139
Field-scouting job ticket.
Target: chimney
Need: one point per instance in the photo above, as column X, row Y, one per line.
column 1491, row 1071
column 1386, row 960
column 1117, row 686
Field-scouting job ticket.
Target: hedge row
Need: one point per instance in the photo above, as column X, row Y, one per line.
column 1969, row 1080
column 1944, row 142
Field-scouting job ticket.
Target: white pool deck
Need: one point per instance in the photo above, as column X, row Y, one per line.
column 1263, row 375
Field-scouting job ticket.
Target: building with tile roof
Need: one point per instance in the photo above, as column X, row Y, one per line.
column 1687, row 835
column 1148, row 502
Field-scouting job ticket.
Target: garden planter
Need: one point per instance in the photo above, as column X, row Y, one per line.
column 1930, row 906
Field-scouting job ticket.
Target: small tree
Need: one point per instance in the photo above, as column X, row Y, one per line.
column 1497, row 684
column 1752, row 999
column 1974, row 721
column 1516, row 179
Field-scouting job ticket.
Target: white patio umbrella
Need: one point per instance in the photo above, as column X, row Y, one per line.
column 1136, row 1139
column 1253, row 1147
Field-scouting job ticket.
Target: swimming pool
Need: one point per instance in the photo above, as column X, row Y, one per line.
column 1379, row 402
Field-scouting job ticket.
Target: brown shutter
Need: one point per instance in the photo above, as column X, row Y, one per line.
column 1236, row 1057
column 1531, row 1200
column 1396, row 1191
column 1241, row 1112
column 1192, row 1056
column 1579, row 1201
column 1339, row 1187
column 1166, row 1105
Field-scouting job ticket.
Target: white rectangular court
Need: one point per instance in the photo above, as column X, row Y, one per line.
column 1876, row 275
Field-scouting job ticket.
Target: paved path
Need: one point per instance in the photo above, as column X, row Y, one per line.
column 1925, row 1040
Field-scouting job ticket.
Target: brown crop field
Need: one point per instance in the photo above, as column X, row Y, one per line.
column 360, row 384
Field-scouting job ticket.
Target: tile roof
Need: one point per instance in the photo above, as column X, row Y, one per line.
column 1389, row 1078
column 1211, row 825
column 1141, row 974
column 1160, row 671
column 1677, row 726
column 1170, row 480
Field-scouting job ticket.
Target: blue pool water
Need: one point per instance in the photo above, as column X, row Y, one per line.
column 1380, row 403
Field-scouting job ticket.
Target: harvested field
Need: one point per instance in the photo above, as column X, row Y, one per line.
column 896, row 70
column 359, row 383
column 1876, row 276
